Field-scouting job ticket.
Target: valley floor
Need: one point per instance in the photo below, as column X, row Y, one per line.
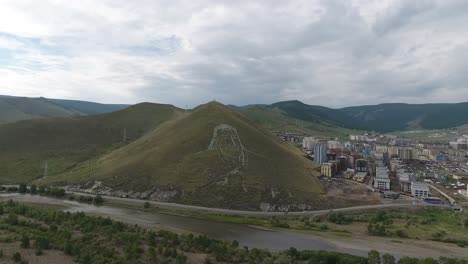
column 260, row 231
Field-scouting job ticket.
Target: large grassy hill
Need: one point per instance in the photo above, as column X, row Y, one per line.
column 277, row 120
column 26, row 146
column 13, row 109
column 213, row 156
column 382, row 117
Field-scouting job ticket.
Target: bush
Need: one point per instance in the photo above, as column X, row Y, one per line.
column 25, row 242
column 323, row 227
column 97, row 200
column 401, row 233
column 340, row 219
column 146, row 205
column 39, row 252
column 388, row 259
column 12, row 189
column 22, row 188
column 17, row 257
column 33, row 189
column 373, row 257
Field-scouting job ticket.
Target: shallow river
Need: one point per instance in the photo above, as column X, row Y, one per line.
column 247, row 236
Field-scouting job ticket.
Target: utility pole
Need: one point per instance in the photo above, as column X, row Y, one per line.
column 46, row 168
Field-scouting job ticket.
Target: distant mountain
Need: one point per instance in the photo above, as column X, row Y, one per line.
column 392, row 117
column 212, row 156
column 26, row 146
column 381, row 118
column 278, row 120
column 88, row 108
column 14, row 109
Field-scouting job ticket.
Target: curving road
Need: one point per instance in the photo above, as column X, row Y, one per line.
column 194, row 208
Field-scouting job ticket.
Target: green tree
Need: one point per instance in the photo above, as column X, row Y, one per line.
column 408, row 260
column 17, row 257
column 22, row 188
column 68, row 248
column 373, row 257
column 25, row 242
column 428, row 261
column 33, row 189
column 181, row 259
column 98, row 200
column 388, row 259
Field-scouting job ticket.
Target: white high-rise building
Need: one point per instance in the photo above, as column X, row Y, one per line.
column 320, row 153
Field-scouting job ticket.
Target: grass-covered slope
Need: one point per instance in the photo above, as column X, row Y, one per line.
column 277, row 121
column 392, row 117
column 14, row 109
column 382, row 117
column 88, row 108
column 26, row 146
column 214, row 156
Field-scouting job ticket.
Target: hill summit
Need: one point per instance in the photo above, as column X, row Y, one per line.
column 212, row 156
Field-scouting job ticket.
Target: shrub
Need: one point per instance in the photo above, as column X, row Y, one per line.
column 25, row 242
column 401, row 233
column 17, row 257
column 22, row 188
column 97, row 200
column 146, row 205
column 33, row 189
column 323, row 227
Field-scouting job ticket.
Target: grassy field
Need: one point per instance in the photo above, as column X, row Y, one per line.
column 62, row 143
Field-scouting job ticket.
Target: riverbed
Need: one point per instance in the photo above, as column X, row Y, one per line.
column 247, row 235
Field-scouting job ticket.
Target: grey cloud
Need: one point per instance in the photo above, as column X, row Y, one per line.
column 242, row 52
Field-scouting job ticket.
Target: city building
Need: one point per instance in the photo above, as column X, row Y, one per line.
column 342, row 163
column 420, row 189
column 308, row 143
column 320, row 153
column 361, row 165
column 328, row 169
column 404, row 180
column 360, row 177
column 348, row 174
column 381, row 180
column 405, row 153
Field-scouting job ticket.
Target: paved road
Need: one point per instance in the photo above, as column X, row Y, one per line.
column 202, row 209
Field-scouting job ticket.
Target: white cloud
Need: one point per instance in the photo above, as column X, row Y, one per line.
column 329, row 52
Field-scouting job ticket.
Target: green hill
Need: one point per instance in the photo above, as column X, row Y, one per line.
column 88, row 108
column 382, row 118
column 26, row 146
column 277, row 120
column 392, row 117
column 213, row 156
column 13, row 109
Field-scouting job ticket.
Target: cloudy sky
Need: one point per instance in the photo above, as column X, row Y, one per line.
column 331, row 52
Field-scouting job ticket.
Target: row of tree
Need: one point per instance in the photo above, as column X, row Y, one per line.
column 90, row 239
